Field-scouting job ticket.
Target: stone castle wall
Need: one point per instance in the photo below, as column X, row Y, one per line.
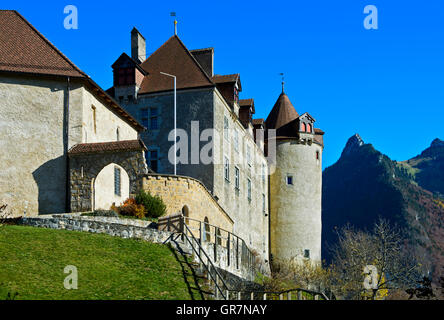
column 178, row 192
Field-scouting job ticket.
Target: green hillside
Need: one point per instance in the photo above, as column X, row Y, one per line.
column 32, row 263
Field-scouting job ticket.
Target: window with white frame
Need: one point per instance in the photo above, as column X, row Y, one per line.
column 227, row 168
column 249, row 155
column 236, row 178
column 236, row 140
column 290, row 180
column 249, row 189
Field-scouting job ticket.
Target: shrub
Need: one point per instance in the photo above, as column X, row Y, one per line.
column 130, row 209
column 154, row 205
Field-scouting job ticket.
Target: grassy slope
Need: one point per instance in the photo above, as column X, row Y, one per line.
column 32, row 261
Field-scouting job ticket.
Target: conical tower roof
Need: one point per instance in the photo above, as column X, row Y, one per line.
column 282, row 113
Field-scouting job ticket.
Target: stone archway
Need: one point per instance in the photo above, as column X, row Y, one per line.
column 110, row 186
column 86, row 162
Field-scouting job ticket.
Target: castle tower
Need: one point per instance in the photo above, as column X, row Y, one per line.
column 295, row 185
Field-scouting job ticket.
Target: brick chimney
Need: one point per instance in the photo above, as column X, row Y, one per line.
column 138, row 46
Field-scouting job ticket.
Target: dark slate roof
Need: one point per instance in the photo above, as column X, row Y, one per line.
column 175, row 59
column 282, row 113
column 128, row 145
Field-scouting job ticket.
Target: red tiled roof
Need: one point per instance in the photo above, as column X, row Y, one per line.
column 113, row 146
column 175, row 59
column 246, row 102
column 319, row 131
column 24, row 49
column 282, row 113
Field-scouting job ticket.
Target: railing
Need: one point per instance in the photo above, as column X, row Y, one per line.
column 293, row 294
column 205, row 232
column 219, row 284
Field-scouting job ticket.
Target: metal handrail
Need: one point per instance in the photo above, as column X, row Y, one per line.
column 208, row 260
column 279, row 293
column 250, row 255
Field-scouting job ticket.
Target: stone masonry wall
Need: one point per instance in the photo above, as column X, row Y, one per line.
column 85, row 168
column 178, row 191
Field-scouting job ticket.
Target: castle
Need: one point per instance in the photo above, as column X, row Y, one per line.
column 73, row 147
column 275, row 204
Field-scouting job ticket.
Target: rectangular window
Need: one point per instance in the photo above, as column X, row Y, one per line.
column 249, row 156
column 263, row 174
column 227, row 168
column 226, row 128
column 236, row 140
column 290, row 180
column 236, row 178
column 249, row 189
column 154, row 160
column 117, row 190
column 307, row 253
column 263, row 203
column 94, row 118
column 154, row 115
column 144, row 117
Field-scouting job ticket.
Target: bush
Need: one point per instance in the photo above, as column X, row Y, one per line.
column 130, row 209
column 154, row 205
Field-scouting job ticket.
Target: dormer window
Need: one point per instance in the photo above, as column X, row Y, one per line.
column 303, row 127
column 309, row 127
column 124, row 77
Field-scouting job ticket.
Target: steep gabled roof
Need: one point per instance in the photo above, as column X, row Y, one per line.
column 124, row 58
column 228, row 78
column 175, row 59
column 282, row 113
column 24, row 49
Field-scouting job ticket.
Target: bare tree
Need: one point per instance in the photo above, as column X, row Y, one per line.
column 381, row 258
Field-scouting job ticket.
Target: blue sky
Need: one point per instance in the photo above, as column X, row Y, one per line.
column 386, row 84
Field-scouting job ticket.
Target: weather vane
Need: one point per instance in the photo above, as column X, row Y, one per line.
column 173, row 14
column 283, row 82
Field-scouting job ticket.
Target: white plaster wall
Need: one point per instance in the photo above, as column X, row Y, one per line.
column 104, row 195
column 296, row 210
column 32, row 160
column 250, row 220
column 107, row 122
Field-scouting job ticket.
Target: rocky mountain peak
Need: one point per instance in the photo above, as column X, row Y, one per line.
column 437, row 143
column 353, row 144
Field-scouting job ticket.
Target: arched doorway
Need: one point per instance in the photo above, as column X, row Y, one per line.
column 110, row 186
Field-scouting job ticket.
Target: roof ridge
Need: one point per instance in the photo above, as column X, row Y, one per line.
column 194, row 59
column 49, row 43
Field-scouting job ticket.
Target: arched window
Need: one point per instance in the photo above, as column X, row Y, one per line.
column 186, row 213
column 309, row 127
column 303, row 127
column 219, row 237
column 207, row 233
column 117, row 134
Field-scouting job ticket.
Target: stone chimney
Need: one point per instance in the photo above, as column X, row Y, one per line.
column 138, row 46
column 205, row 57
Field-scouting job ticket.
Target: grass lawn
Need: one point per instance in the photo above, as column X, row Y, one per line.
column 32, row 261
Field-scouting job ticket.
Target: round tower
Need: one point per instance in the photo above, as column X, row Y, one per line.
column 295, row 184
